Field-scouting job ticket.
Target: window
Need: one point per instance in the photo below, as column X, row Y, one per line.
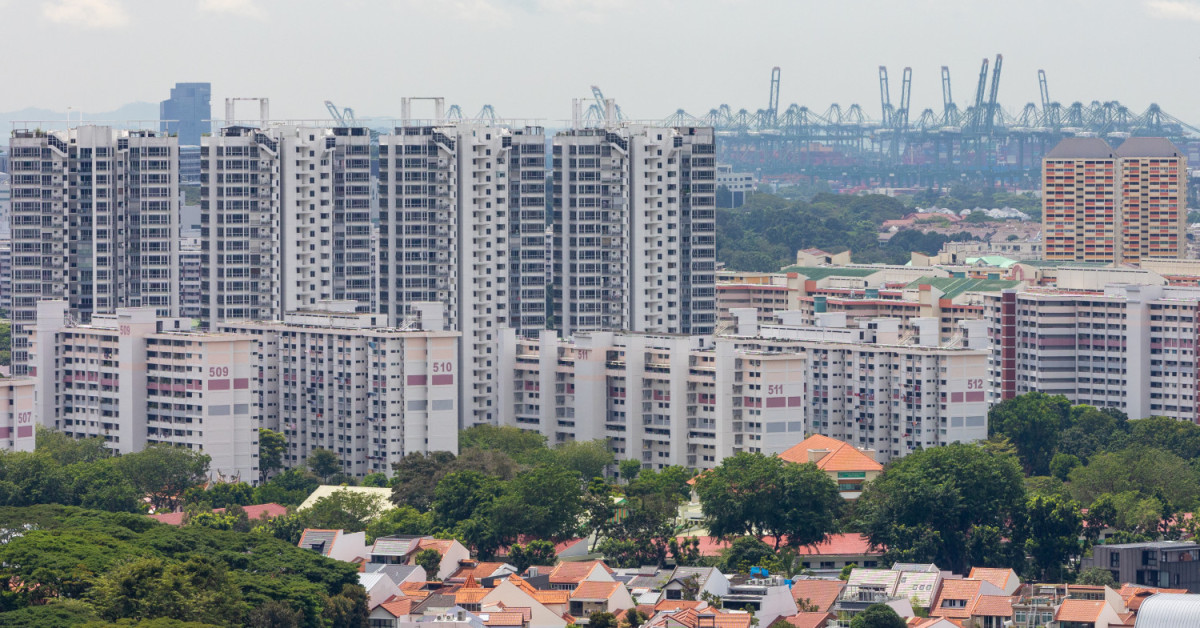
column 1114, row 559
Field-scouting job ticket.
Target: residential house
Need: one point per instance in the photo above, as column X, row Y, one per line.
column 399, row 574
column 816, row 595
column 646, row 583
column 453, row 554
column 810, row 620
column 1174, row 564
column 253, row 512
column 450, row 618
column 380, row 587
column 991, row 611
column 1004, row 579
column 918, row 583
column 1134, row 596
column 391, row 612
column 705, row 617
column 957, row 597
column 769, row 598
column 482, row 572
column 598, row 597
column 335, row 544
column 932, row 622
column 1086, row 614
column 400, row 550
column 845, row 464
column 830, row 556
column 515, row 592
column 703, row 579
column 1040, row 604
column 567, row 576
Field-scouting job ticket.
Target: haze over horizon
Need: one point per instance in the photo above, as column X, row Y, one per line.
column 528, row 58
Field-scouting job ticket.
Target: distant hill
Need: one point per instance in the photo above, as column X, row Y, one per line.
column 144, row 112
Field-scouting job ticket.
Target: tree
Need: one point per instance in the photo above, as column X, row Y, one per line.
column 877, row 616
column 518, row 443
column 743, row 553
column 416, row 477
column 1097, row 577
column 533, row 553
column 635, row 618
column 271, row 447
column 1141, row 469
column 221, row 495
column 430, row 560
column 927, row 506
column 275, row 614
column 66, row 450
column 287, row 488
column 628, row 469
column 324, row 463
column 602, row 619
column 1062, row 464
column 587, row 458
column 543, row 503
column 461, row 495
column 402, row 520
column 342, row 510
column 1033, row 422
column 164, row 472
column 376, row 479
column 347, row 609
column 765, row 495
column 1054, row 527
column 845, row 575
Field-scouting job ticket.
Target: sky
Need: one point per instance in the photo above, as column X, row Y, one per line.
column 529, row 58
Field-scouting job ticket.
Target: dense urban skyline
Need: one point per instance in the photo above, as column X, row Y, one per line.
column 828, row 52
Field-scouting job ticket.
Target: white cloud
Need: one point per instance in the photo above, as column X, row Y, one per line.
column 244, row 8
column 86, row 13
column 1174, row 9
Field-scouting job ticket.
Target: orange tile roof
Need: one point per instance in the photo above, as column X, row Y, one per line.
column 591, row 590
column 730, row 620
column 1079, row 610
column 809, row 620
column 477, row 571
column 964, row 589
column 819, row 593
column 676, row 605
column 1134, row 595
column 998, row 577
column 992, row 606
column 414, row 590
column 398, row 606
column 839, row 545
column 552, row 597
column 574, row 573
column 842, row 456
column 691, row 618
column 441, row 545
column 504, row 619
column 470, row 595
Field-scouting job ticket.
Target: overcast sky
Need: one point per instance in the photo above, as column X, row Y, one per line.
column 528, row 58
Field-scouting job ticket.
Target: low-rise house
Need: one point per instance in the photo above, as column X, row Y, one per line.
column 957, row 597
column 830, row 556
column 335, row 544
column 1134, row 595
column 400, row 550
column 380, row 587
column 1039, row 604
column 1086, row 614
column 991, row 611
column 453, row 554
column 567, row 576
column 391, row 612
column 705, row 617
column 702, row 579
column 769, row 597
column 810, row 620
column 845, row 464
column 918, row 583
column 1174, row 564
column 399, row 574
column 482, row 572
column 599, row 597
column 816, row 595
column 1004, row 579
column 515, row 592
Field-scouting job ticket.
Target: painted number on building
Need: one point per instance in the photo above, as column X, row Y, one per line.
column 218, row 371
column 24, row 417
column 126, row 331
column 774, row 389
column 443, row 367
column 974, row 384
column 584, row 354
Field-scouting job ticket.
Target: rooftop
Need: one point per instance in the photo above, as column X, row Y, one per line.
column 821, row 272
column 951, row 287
column 842, row 456
column 1081, row 148
column 1148, row 147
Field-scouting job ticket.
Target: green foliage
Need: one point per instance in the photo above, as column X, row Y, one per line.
column 1097, row 577
column 587, row 458
column 324, row 463
column 743, row 553
column 1033, row 422
column 635, row 618
column 430, row 560
column 877, row 616
column 65, row 450
column 845, row 575
column 379, row 480
column 345, row 510
column 1062, row 464
column 163, row 473
column 221, row 495
column 271, row 447
column 533, row 553
column 629, row 469
column 416, row 475
column 940, row 505
column 765, row 233
column 519, row 444
column 1142, row 470
column 288, row 488
column 1054, row 526
column 401, row 520
column 126, row 568
column 765, row 495
column 602, row 619
column 5, row 343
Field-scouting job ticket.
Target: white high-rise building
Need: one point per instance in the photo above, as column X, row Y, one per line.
column 338, row 380
column 462, row 221
column 135, row 378
column 94, row 222
column 285, row 220
column 635, row 229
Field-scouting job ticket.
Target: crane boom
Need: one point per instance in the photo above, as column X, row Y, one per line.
column 991, row 110
column 947, row 99
column 980, row 93
column 905, row 98
column 334, row 113
column 773, row 100
column 1045, row 91
column 885, row 98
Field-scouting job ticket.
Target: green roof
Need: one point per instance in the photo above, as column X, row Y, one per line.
column 821, row 272
column 951, row 287
column 998, row 261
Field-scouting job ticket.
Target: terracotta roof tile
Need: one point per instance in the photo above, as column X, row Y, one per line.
column 552, row 597
column 992, row 606
column 574, row 573
column 676, row 605
column 398, row 606
column 470, row 595
column 441, row 545
column 842, row 456
column 998, row 577
column 809, row 620
column 964, row 589
column 591, row 590
column 819, row 593
column 504, row 619
column 1079, row 610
